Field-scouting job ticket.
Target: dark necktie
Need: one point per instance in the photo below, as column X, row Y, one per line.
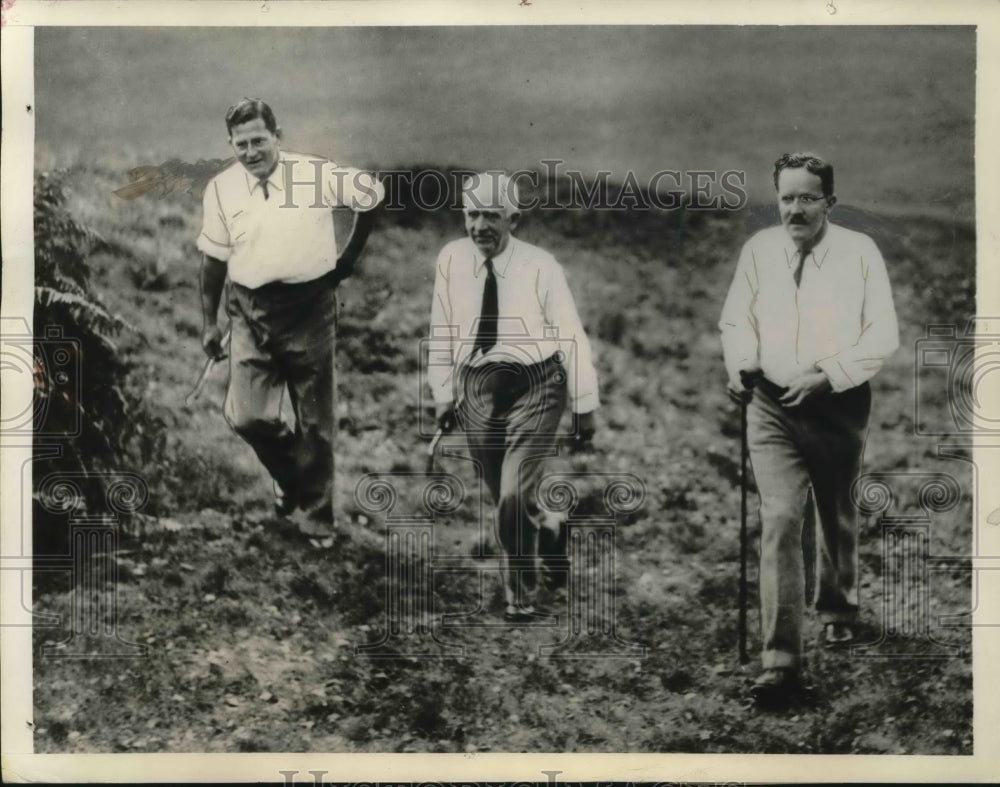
column 263, row 185
column 798, row 268
column 487, row 335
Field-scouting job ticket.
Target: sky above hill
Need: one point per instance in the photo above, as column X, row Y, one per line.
column 892, row 107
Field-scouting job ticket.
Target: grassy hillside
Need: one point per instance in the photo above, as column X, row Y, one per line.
column 252, row 637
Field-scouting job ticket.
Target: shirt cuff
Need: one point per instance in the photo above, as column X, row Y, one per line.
column 208, row 246
column 839, row 379
column 586, row 404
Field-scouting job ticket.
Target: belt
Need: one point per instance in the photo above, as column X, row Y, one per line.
column 544, row 366
column 280, row 288
column 774, row 391
column 509, row 376
column 770, row 389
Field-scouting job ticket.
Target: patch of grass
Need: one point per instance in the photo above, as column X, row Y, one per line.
column 253, row 638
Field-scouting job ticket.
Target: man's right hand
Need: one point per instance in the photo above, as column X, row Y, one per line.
column 741, row 390
column 211, row 343
column 584, row 427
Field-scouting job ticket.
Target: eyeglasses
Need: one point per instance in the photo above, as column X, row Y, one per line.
column 805, row 199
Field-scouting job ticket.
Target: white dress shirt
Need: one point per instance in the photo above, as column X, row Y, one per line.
column 840, row 319
column 289, row 236
column 536, row 318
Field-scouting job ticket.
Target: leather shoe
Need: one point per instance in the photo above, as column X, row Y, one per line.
column 838, row 635
column 776, row 688
column 322, row 544
column 284, row 505
column 555, row 578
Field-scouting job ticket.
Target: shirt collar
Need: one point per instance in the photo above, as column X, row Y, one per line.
column 274, row 181
column 818, row 252
column 500, row 262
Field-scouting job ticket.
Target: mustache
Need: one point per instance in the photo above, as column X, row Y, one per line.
column 801, row 220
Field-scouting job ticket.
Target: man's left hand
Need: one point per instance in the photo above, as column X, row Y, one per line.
column 445, row 416
column 804, row 387
column 584, row 426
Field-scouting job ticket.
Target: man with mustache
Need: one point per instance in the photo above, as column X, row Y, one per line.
column 808, row 320
column 268, row 226
column 506, row 353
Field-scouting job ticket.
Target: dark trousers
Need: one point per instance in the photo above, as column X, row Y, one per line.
column 510, row 414
column 283, row 336
column 817, row 445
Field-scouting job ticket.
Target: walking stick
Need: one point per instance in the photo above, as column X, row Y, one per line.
column 749, row 380
column 432, row 451
column 446, row 427
column 206, row 370
column 744, row 658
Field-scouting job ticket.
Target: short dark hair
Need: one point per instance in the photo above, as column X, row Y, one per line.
column 812, row 162
column 248, row 109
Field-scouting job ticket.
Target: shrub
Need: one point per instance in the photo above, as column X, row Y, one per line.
column 85, row 402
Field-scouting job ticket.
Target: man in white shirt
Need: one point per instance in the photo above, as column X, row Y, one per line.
column 268, row 226
column 808, row 320
column 507, row 352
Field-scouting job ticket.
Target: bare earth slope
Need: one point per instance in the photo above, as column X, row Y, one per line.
column 252, row 637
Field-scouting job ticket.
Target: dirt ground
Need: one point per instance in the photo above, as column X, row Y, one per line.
column 254, row 642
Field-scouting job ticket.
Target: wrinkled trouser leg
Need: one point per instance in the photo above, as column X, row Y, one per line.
column 285, row 337
column 792, row 449
column 783, row 483
column 834, row 449
column 511, row 419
